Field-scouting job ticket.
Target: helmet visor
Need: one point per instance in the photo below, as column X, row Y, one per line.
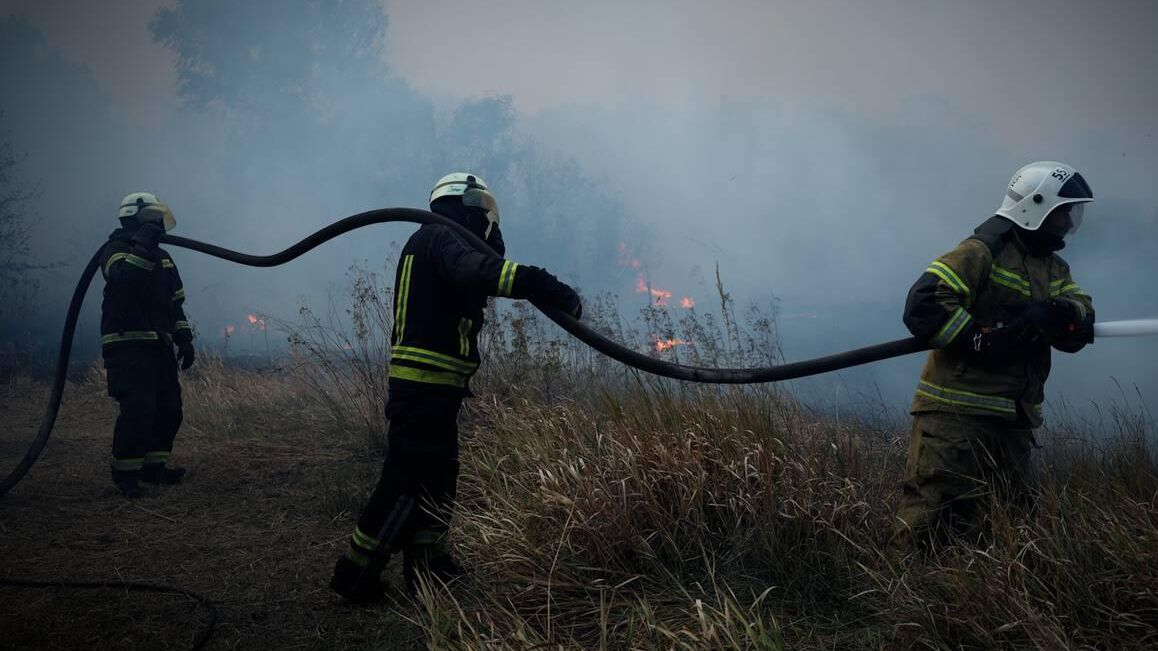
column 1077, row 213
column 158, row 213
column 477, row 197
column 1065, row 219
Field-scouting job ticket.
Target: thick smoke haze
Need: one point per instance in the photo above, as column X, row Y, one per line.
column 820, row 153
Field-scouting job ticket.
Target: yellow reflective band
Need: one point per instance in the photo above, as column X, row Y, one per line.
column 447, row 362
column 182, row 325
column 1024, row 291
column 951, row 329
column 135, row 260
column 507, row 278
column 966, row 398
column 138, row 261
column 464, row 326
column 131, row 335
column 402, row 298
column 365, row 542
column 179, row 294
column 156, row 457
column 357, row 558
column 1010, row 279
column 427, row 377
column 942, row 271
column 113, row 259
column 166, row 263
column 134, row 463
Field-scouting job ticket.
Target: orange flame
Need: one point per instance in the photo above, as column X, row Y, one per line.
column 256, row 322
column 664, row 344
column 660, row 295
column 228, row 330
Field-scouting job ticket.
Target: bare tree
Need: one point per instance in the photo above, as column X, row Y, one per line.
column 18, row 283
column 15, row 221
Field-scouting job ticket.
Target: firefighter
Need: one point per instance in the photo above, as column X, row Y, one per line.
column 991, row 309
column 441, row 287
column 142, row 321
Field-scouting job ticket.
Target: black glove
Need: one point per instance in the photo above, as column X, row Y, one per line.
column 185, row 353
column 1059, row 319
column 547, row 290
column 146, row 238
column 996, row 346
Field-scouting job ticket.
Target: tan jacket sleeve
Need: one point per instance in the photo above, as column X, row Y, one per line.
column 937, row 308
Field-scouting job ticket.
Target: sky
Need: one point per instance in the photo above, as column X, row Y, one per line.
column 818, row 152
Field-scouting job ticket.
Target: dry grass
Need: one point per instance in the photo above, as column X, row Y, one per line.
column 597, row 509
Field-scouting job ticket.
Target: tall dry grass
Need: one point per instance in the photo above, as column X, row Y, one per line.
column 599, row 508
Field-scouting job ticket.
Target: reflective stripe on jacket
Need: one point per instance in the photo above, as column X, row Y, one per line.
column 440, row 289
column 987, row 281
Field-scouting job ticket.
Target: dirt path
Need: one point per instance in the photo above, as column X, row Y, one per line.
column 255, row 529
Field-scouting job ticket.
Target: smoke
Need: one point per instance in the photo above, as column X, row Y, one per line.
column 820, row 154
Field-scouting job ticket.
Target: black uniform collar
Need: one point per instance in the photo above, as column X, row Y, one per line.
column 1041, row 242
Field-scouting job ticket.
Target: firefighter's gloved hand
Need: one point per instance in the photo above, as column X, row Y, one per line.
column 570, row 302
column 146, row 238
column 185, row 354
column 996, row 346
column 1056, row 319
column 549, row 291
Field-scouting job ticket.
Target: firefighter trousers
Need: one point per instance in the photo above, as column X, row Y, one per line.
column 957, row 467
column 410, row 504
column 143, row 379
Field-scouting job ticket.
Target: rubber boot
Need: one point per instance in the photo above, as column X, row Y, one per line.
column 357, row 583
column 428, row 561
column 157, row 473
column 127, row 483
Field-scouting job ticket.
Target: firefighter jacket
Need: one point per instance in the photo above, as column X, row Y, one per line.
column 440, row 290
column 985, row 282
column 143, row 296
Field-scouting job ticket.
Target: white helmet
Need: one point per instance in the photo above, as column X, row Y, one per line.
column 473, row 191
column 1036, row 189
column 146, row 207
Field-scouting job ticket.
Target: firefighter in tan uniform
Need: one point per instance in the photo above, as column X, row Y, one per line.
column 991, row 309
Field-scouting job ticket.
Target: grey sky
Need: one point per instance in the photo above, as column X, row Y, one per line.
column 822, row 151
column 1027, row 69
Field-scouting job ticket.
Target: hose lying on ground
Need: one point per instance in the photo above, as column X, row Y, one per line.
column 573, row 326
column 210, row 610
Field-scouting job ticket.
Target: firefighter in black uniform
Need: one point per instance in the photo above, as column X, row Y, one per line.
column 441, row 288
column 142, row 320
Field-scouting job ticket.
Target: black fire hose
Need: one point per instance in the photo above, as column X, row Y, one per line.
column 203, row 633
column 585, row 334
column 567, row 322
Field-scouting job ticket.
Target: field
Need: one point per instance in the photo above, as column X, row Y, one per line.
column 597, row 509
